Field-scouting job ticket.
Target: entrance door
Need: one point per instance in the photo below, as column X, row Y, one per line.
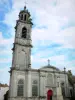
column 49, row 94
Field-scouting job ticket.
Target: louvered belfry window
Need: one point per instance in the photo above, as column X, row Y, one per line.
column 22, row 17
column 25, row 17
column 24, row 32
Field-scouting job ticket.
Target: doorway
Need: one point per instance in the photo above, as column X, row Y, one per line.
column 49, row 94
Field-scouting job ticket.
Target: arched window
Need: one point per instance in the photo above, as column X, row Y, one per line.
column 35, row 88
column 63, row 88
column 20, row 87
column 25, row 17
column 24, row 32
column 22, row 17
column 49, row 80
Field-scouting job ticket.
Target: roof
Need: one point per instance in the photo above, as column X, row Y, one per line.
column 25, row 11
column 50, row 66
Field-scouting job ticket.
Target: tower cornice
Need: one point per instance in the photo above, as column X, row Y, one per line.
column 26, row 45
column 25, row 22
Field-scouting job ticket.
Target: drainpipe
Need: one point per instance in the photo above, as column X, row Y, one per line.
column 65, row 80
column 39, row 84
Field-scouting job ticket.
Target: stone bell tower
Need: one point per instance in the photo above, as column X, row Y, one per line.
column 21, row 61
column 22, row 45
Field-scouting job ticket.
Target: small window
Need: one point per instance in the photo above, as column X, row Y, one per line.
column 62, row 84
column 20, row 87
column 24, row 32
column 25, row 17
column 35, row 82
column 22, row 17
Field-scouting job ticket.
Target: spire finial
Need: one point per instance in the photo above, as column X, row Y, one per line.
column 48, row 62
column 25, row 5
column 64, row 69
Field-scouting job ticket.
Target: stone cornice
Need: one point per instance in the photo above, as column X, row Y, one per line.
column 25, row 22
column 29, row 97
column 27, row 45
column 34, row 70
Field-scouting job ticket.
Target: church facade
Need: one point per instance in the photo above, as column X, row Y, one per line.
column 46, row 83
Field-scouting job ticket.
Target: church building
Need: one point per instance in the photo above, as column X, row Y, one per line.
column 26, row 83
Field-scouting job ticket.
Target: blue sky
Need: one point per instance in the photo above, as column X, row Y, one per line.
column 53, row 33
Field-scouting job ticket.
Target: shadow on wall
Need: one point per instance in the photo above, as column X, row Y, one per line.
column 72, row 98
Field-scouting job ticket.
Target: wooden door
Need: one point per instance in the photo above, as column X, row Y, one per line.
column 49, row 94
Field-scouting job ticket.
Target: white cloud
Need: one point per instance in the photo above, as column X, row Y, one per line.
column 4, row 41
column 57, row 61
column 5, row 60
column 4, row 75
column 68, row 37
column 6, row 51
column 5, row 4
column 65, row 37
column 10, row 19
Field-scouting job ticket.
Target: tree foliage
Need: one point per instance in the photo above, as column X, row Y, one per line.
column 70, row 77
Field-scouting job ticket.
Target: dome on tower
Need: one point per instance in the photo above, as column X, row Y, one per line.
column 24, row 16
column 25, row 11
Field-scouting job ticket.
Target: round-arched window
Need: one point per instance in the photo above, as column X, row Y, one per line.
column 49, row 80
column 22, row 17
column 25, row 17
column 20, row 87
column 35, row 88
column 35, row 82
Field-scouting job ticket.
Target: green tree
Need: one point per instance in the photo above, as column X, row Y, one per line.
column 70, row 77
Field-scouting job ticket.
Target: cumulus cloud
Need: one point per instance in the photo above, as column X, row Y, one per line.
column 4, row 5
column 5, row 51
column 4, row 75
column 4, row 41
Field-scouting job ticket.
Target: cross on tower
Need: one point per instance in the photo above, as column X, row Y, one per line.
column 25, row 2
column 64, row 69
column 48, row 62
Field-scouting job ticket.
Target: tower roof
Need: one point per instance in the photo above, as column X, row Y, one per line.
column 25, row 11
column 25, row 16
